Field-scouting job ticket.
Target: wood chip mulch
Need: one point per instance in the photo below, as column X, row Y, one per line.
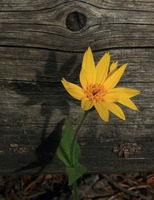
column 137, row 186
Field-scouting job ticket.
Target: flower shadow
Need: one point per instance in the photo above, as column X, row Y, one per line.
column 50, row 95
column 45, row 151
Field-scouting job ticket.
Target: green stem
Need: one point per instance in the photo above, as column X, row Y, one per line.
column 75, row 191
column 76, row 134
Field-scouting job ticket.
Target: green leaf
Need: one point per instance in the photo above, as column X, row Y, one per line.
column 64, row 148
column 75, row 172
column 63, row 151
column 76, row 154
column 62, row 155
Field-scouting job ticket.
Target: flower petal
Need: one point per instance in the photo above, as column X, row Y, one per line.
column 125, row 92
column 102, row 68
column 114, row 78
column 113, row 67
column 73, row 89
column 128, row 103
column 86, row 104
column 88, row 71
column 116, row 94
column 115, row 109
column 102, row 111
column 83, row 78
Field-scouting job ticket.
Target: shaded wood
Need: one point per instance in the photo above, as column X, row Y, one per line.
column 37, row 49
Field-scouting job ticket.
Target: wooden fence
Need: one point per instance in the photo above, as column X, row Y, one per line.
column 42, row 41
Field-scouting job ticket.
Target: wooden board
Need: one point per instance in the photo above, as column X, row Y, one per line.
column 42, row 41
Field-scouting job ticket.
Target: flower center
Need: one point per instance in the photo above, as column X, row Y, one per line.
column 94, row 92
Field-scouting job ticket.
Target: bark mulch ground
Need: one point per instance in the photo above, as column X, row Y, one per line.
column 137, row 186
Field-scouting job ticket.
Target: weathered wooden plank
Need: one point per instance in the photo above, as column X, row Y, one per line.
column 27, row 5
column 104, row 29
column 31, row 105
column 106, row 161
column 50, row 66
column 37, row 49
column 121, row 5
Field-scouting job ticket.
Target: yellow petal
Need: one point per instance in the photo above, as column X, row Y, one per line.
column 88, row 71
column 125, row 92
column 114, row 78
column 102, row 68
column 116, row 94
column 111, row 97
column 83, row 78
column 73, row 89
column 102, row 111
column 113, row 67
column 128, row 103
column 86, row 104
column 115, row 109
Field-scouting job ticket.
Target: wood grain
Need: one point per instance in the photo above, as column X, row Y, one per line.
column 37, row 49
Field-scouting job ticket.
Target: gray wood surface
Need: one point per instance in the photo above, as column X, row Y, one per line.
column 37, row 49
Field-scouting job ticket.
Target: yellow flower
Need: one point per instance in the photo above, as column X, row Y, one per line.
column 98, row 87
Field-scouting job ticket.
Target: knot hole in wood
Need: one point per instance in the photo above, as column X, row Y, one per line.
column 75, row 21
